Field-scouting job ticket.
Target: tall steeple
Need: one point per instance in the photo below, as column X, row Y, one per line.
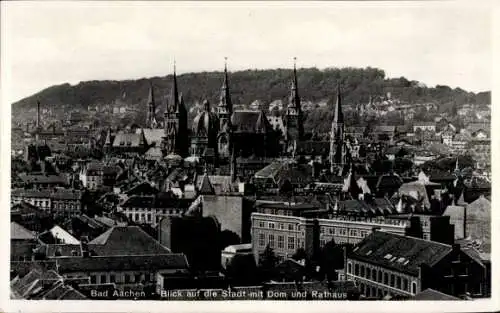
column 225, row 107
column 337, row 147
column 176, row 126
column 151, row 118
column 293, row 116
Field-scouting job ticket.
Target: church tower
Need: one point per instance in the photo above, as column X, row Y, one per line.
column 224, row 113
column 176, row 128
column 293, row 113
column 151, row 117
column 338, row 149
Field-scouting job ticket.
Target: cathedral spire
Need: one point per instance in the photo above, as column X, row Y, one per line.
column 337, row 147
column 174, row 95
column 151, row 119
column 338, row 115
column 294, row 100
column 225, row 96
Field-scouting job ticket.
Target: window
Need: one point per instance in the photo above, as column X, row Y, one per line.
column 93, row 279
column 414, row 287
column 374, row 275
column 405, row 284
column 127, row 279
column 281, row 226
column 291, row 243
column 386, row 278
column 362, row 274
column 368, row 273
column 112, row 278
column 149, row 217
column 331, row 231
column 281, row 242
column 349, row 268
column 136, row 216
column 353, row 233
column 322, row 243
column 271, row 241
column 291, row 227
column 322, row 229
column 262, row 240
column 261, row 224
column 398, row 282
column 393, row 282
column 271, row 225
column 379, row 276
column 356, row 269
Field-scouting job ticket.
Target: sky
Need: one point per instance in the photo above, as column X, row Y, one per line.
column 46, row 43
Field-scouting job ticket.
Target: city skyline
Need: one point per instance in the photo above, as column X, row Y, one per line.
column 116, row 42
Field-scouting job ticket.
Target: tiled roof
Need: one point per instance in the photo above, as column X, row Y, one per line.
column 126, row 240
column 400, row 253
column 434, row 295
column 152, row 135
column 377, row 206
column 18, row 232
column 389, row 181
column 121, row 263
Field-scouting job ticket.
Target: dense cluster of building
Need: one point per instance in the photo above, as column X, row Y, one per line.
column 241, row 204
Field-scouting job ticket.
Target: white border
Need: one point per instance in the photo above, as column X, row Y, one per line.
column 7, row 305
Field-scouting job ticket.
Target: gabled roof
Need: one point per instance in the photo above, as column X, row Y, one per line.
column 249, row 121
column 18, row 232
column 205, row 187
column 126, row 240
column 152, row 135
column 434, row 295
column 221, row 184
column 401, row 253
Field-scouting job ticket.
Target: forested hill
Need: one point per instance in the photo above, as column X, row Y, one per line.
column 247, row 86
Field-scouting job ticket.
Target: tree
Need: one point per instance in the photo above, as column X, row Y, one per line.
column 267, row 263
column 331, row 259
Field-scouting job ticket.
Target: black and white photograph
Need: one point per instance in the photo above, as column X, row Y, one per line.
column 220, row 151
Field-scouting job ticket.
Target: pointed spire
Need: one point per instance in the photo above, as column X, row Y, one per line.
column 174, row 94
column 151, row 118
column 206, row 187
column 457, row 169
column 206, row 105
column 294, row 99
column 338, row 115
column 225, row 96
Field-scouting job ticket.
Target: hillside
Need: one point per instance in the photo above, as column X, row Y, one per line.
column 315, row 85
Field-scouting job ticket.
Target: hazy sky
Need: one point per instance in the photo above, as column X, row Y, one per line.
column 46, row 43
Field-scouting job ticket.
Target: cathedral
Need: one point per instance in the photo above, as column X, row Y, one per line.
column 219, row 133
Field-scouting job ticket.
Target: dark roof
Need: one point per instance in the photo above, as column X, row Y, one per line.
column 121, row 263
column 400, row 253
column 313, row 147
column 389, row 181
column 434, row 295
column 42, row 178
column 377, row 206
column 384, row 129
column 204, row 186
column 161, row 200
column 126, row 240
column 248, row 121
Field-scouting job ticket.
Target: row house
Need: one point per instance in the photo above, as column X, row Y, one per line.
column 150, row 209
column 386, row 264
column 42, row 181
column 66, row 202
column 123, row 271
column 96, row 176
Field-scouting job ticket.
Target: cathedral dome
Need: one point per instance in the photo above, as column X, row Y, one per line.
column 206, row 122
